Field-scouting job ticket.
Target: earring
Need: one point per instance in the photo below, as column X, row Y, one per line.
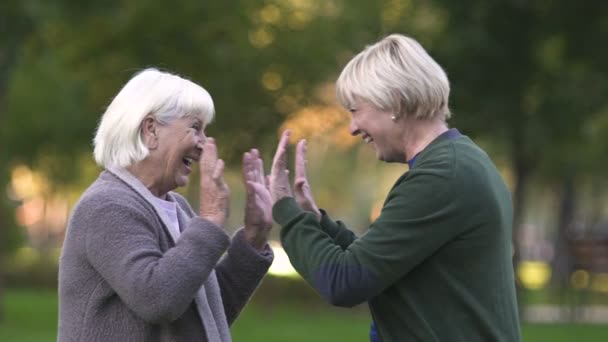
column 394, row 118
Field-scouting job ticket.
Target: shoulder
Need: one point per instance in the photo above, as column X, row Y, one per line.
column 434, row 174
column 108, row 192
column 444, row 159
column 438, row 159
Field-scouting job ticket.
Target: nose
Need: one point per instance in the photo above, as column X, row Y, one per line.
column 201, row 140
column 352, row 127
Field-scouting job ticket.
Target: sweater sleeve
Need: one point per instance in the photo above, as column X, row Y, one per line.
column 240, row 272
column 416, row 220
column 337, row 230
column 122, row 245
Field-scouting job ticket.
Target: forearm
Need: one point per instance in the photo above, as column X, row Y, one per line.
column 334, row 272
column 240, row 273
column 158, row 286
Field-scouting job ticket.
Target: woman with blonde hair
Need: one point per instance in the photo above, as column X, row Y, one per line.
column 436, row 264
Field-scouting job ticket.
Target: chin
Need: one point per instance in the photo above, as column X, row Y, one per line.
column 380, row 156
column 182, row 182
column 388, row 159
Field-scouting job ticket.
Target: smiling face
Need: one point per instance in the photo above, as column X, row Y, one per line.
column 175, row 147
column 377, row 129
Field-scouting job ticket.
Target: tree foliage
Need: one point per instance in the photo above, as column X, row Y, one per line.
column 529, row 77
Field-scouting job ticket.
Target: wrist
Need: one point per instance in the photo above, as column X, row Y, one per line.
column 257, row 240
column 317, row 214
column 218, row 220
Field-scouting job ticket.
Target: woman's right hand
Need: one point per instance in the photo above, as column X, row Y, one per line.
column 214, row 193
column 258, row 204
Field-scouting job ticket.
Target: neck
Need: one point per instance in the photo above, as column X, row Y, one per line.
column 143, row 172
column 420, row 133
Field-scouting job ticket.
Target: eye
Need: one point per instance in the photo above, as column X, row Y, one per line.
column 197, row 126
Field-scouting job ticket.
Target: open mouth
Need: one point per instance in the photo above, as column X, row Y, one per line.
column 188, row 161
column 367, row 139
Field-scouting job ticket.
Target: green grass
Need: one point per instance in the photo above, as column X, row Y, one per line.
column 31, row 315
column 565, row 333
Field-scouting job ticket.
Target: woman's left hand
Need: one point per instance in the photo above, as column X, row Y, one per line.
column 279, row 173
column 214, row 192
column 258, row 205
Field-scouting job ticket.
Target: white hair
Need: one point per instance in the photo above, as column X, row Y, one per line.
column 398, row 75
column 163, row 95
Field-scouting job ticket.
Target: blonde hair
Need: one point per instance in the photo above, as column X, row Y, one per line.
column 163, row 95
column 396, row 74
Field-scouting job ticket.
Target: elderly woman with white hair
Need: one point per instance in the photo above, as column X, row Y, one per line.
column 436, row 263
column 138, row 263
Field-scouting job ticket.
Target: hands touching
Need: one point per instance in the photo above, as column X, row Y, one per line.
column 261, row 192
column 214, row 193
column 278, row 180
column 258, row 206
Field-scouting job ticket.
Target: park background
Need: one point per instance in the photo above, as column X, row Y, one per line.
column 529, row 84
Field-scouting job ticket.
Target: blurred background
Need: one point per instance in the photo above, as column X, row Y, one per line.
column 529, row 84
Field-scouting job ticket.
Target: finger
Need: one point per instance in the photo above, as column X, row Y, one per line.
column 259, row 167
column 261, row 191
column 218, row 171
column 255, row 165
column 249, row 176
column 301, row 161
column 300, row 191
column 209, row 157
column 280, row 157
column 246, row 164
column 249, row 191
column 299, row 184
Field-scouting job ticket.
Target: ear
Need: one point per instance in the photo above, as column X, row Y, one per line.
column 148, row 132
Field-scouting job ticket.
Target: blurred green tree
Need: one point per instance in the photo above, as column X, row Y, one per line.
column 524, row 78
column 15, row 25
column 529, row 76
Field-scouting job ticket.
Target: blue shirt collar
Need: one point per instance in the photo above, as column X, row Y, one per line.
column 449, row 134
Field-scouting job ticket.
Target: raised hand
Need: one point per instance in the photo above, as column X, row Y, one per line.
column 302, row 191
column 258, row 205
column 214, row 193
column 279, row 174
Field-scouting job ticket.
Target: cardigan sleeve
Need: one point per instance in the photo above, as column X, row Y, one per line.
column 122, row 245
column 416, row 220
column 240, row 272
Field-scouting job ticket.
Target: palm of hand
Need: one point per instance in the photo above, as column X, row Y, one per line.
column 258, row 206
column 214, row 193
column 279, row 177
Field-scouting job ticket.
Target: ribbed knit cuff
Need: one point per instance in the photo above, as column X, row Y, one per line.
column 285, row 210
column 243, row 249
column 328, row 225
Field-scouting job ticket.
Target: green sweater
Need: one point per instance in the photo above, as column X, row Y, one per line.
column 436, row 265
